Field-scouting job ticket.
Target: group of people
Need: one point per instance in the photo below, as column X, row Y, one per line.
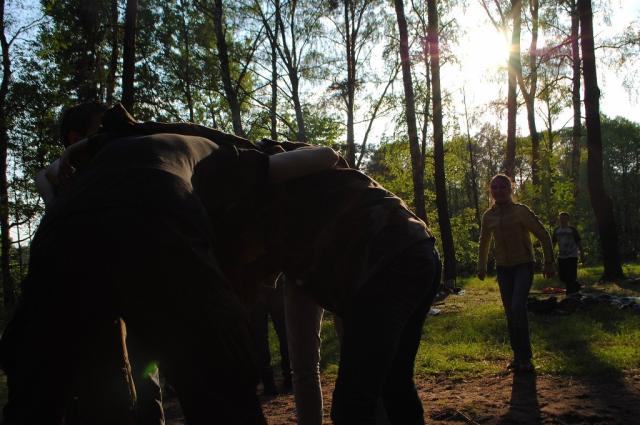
column 165, row 234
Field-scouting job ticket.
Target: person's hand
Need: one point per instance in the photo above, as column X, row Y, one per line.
column 482, row 275
column 549, row 270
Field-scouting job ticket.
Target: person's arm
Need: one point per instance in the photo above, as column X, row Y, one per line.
column 535, row 226
column 300, row 162
column 45, row 184
column 576, row 237
column 483, row 251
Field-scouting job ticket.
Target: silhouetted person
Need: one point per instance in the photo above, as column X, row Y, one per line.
column 569, row 245
column 510, row 224
column 358, row 251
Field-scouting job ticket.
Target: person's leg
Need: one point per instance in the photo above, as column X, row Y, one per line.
column 572, row 275
column 177, row 303
column 401, row 400
column 522, row 281
column 276, row 310
column 260, row 329
column 373, row 351
column 564, row 272
column 505, row 278
column 303, row 318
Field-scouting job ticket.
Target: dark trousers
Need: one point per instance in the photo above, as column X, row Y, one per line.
column 158, row 273
column 382, row 332
column 568, row 274
column 270, row 303
column 515, row 283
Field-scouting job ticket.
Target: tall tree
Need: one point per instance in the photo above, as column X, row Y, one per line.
column 600, row 201
column 501, row 23
column 129, row 54
column 410, row 113
column 438, row 147
column 576, row 132
column 231, row 93
column 356, row 27
column 512, row 101
column 8, row 286
column 113, row 62
column 529, row 93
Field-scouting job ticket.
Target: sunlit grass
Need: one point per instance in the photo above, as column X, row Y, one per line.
column 469, row 338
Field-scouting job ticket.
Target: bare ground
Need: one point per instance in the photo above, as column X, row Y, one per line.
column 498, row 399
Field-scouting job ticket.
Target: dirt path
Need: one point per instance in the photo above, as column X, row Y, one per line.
column 496, row 400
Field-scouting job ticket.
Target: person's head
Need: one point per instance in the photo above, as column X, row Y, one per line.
column 501, row 189
column 564, row 218
column 80, row 121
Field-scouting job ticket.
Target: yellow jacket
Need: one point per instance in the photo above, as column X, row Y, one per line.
column 510, row 225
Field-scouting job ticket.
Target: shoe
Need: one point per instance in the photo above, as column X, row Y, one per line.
column 287, row 385
column 512, row 365
column 525, row 367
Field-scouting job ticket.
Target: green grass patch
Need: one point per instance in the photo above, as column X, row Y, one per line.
column 470, row 338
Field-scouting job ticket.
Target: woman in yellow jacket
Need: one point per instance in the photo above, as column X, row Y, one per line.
column 510, row 224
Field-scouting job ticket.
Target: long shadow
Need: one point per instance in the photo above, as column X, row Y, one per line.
column 607, row 392
column 523, row 406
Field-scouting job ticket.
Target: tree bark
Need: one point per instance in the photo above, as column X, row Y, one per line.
column 113, row 62
column 576, row 132
column 225, row 72
column 273, row 109
column 512, row 104
column 129, row 54
column 290, row 59
column 8, row 285
column 530, row 94
column 187, row 61
column 600, row 201
column 438, row 147
column 472, row 164
column 410, row 111
column 351, row 80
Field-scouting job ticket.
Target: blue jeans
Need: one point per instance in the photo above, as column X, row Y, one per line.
column 515, row 283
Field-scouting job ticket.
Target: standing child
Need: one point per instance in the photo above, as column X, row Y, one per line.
column 509, row 224
column 568, row 240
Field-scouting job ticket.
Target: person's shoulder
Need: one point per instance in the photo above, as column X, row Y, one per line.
column 489, row 211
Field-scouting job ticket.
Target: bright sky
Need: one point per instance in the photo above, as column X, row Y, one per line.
column 484, row 59
column 482, row 73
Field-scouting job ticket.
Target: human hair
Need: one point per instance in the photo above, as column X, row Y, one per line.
column 500, row 176
column 79, row 118
column 564, row 214
column 503, row 177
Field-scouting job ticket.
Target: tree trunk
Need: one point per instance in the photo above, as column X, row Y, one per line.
column 187, row 61
column 351, row 82
column 512, row 104
column 113, row 62
column 129, row 54
column 8, row 286
column 576, row 132
column 223, row 56
column 273, row 113
column 410, row 111
column 472, row 163
column 600, row 201
column 438, row 148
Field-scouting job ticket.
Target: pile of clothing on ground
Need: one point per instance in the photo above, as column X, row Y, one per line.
column 579, row 301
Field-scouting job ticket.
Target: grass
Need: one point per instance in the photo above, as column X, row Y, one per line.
column 469, row 338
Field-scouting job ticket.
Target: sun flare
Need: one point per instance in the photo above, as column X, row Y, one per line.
column 483, row 50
